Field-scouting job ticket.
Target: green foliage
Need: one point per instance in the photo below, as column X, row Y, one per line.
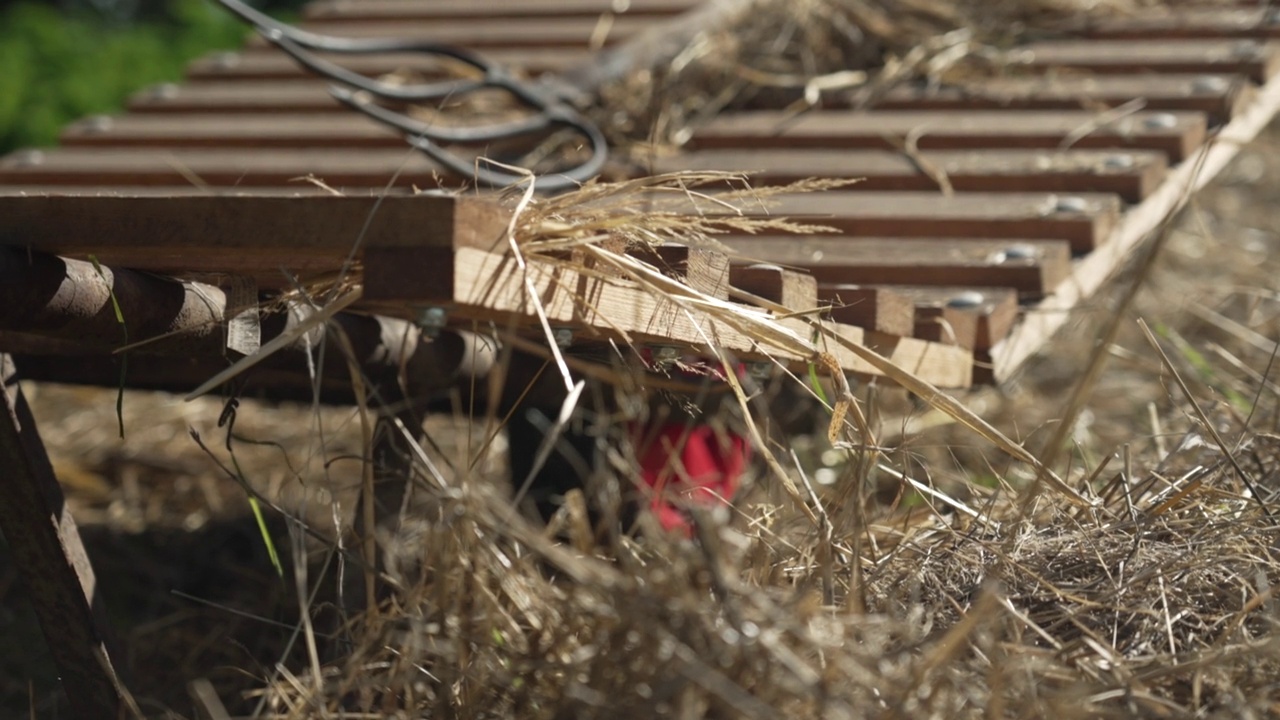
column 59, row 66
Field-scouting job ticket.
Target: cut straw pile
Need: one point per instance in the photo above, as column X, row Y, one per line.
column 1132, row 592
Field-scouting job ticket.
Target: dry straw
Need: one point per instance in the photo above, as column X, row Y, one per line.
column 1139, row 593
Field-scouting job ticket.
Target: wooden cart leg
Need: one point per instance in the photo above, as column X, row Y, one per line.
column 47, row 551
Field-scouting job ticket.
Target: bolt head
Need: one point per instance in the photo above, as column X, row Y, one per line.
column 965, row 300
column 1071, row 204
column 1161, row 121
column 1021, row 251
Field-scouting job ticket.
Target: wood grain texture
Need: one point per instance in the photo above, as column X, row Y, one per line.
column 878, row 309
column 241, row 234
column 484, row 286
column 1174, row 133
column 1130, row 174
column 1083, row 219
column 347, row 11
column 1033, row 268
column 1257, row 60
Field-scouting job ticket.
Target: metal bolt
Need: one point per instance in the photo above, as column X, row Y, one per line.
column 760, row 371
column 97, row 123
column 28, row 158
column 966, row 299
column 1210, row 84
column 1245, row 50
column 1020, row 251
column 816, row 255
column 226, row 60
column 432, row 320
column 1071, row 204
column 164, row 91
column 563, row 337
column 665, row 355
column 1118, row 162
column 1161, row 121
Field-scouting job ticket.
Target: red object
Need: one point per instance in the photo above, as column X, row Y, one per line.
column 687, row 466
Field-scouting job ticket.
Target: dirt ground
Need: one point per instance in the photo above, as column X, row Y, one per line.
column 192, row 591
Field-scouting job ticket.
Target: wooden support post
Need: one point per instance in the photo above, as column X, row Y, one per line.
column 47, row 550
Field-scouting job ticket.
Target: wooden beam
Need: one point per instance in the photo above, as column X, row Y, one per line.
column 880, row 310
column 1208, row 21
column 49, row 555
column 1257, row 60
column 1083, row 219
column 1218, row 96
column 248, row 235
column 793, row 290
column 472, row 284
column 571, row 32
column 1177, row 134
column 1032, row 267
column 349, row 11
column 268, row 63
column 1130, row 174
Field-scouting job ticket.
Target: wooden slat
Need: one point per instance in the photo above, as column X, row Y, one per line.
column 240, row 234
column 477, row 285
column 1132, row 175
column 874, row 308
column 1175, row 134
column 220, row 168
column 793, row 290
column 199, row 130
column 482, row 34
column 1258, row 21
column 270, row 64
column 46, row 550
column 1032, row 267
column 706, row 271
column 1083, row 219
column 1256, row 60
column 384, row 10
column 279, row 96
column 971, row 317
column 1218, row 96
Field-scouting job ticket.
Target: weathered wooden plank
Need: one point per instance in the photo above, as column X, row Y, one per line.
column 93, row 166
column 385, row 10
column 877, row 309
column 1258, row 20
column 264, row 96
column 972, row 317
column 50, row 558
column 325, row 131
column 706, row 271
column 580, row 32
column 1130, row 174
column 1257, row 60
column 1083, row 219
column 241, row 234
column 268, row 63
column 478, row 285
column 792, row 290
column 1032, row 267
column 1218, row 96
column 1175, row 134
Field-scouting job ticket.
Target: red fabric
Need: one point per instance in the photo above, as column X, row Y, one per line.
column 707, row 471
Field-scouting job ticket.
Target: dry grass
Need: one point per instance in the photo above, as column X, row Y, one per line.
column 900, row 577
column 800, row 53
